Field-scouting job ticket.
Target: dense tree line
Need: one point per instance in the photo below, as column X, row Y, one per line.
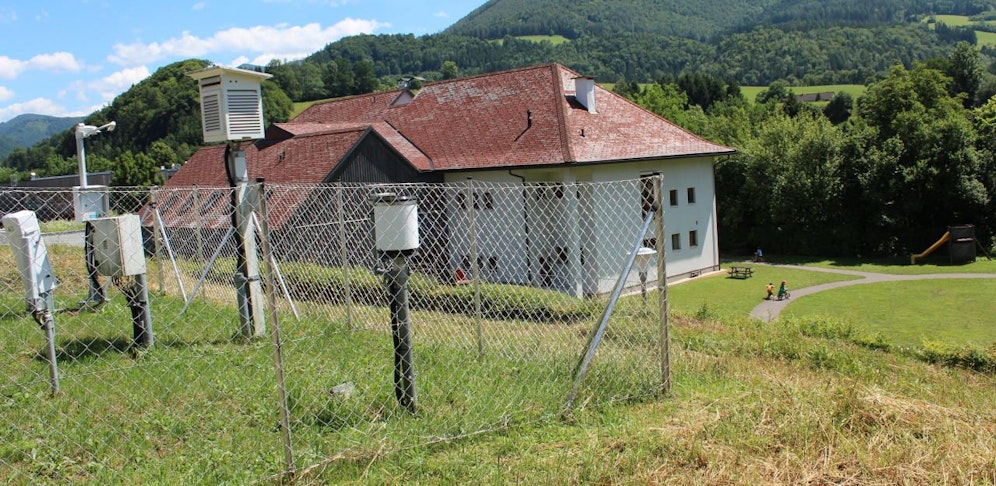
column 910, row 160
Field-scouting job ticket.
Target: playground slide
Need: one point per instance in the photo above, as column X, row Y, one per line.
column 944, row 239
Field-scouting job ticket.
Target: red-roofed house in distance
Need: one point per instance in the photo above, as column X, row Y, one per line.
column 539, row 125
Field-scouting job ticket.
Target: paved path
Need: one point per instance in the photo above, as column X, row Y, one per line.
column 769, row 310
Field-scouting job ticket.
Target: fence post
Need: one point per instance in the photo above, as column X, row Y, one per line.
column 475, row 267
column 665, row 325
column 199, row 227
column 344, row 256
column 156, row 229
column 271, row 296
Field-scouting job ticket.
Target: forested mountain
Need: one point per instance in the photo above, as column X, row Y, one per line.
column 754, row 42
column 27, row 130
column 881, row 174
column 693, row 19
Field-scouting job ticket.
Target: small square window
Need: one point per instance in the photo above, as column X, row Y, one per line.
column 676, row 241
column 691, row 195
column 693, row 238
column 674, row 197
column 489, row 200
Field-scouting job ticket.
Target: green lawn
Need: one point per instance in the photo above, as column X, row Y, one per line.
column 719, row 296
column 553, row 39
column 855, row 90
column 954, row 311
column 984, row 38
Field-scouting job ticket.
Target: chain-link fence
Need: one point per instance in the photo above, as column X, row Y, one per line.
column 191, row 345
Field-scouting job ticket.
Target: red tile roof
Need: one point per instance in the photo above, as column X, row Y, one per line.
column 518, row 118
column 483, row 121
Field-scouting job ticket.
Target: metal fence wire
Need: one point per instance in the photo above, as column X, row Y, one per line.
column 318, row 327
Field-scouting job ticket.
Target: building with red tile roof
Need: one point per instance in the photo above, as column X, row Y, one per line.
column 537, row 125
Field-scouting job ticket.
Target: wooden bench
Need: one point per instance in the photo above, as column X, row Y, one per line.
column 741, row 272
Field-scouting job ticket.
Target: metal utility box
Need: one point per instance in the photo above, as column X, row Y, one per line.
column 231, row 103
column 117, row 246
column 89, row 202
column 29, row 250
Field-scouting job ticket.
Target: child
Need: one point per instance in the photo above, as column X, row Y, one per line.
column 782, row 291
column 771, row 289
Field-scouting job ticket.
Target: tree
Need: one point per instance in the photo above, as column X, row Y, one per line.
column 838, row 110
column 926, row 170
column 966, row 72
column 449, row 70
column 364, row 77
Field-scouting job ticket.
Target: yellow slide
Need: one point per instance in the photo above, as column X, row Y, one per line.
column 944, row 239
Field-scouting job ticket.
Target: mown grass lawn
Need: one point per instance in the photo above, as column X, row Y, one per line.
column 958, row 312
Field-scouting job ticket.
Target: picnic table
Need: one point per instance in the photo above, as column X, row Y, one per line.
column 741, row 272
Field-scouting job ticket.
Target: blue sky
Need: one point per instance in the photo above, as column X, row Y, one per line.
column 72, row 57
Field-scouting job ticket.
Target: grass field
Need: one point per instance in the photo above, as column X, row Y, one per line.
column 984, row 38
column 855, row 90
column 794, row 401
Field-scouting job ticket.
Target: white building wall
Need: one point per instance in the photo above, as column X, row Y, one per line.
column 577, row 243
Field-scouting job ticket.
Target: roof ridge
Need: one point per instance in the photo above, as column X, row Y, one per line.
column 560, row 93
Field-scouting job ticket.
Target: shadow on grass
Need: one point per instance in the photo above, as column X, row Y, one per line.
column 91, row 348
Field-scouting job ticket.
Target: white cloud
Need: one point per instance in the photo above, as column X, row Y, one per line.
column 40, row 106
column 56, row 61
column 442, row 15
column 5, row 93
column 11, row 68
column 199, row 6
column 280, row 42
column 111, row 85
column 7, row 15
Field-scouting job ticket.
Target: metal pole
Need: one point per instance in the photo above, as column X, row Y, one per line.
column 665, row 325
column 344, row 256
column 156, row 230
column 141, row 317
column 96, row 294
column 271, row 294
column 47, row 323
column 404, row 366
column 595, row 338
column 475, row 267
column 81, row 155
column 199, row 228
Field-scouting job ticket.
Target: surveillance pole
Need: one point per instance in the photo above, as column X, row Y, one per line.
column 85, row 212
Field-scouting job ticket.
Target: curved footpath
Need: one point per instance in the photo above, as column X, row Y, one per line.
column 769, row 310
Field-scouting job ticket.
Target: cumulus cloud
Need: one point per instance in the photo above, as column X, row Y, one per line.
column 39, row 106
column 443, row 15
column 279, row 42
column 111, row 85
column 5, row 93
column 56, row 61
column 198, row 6
column 11, row 68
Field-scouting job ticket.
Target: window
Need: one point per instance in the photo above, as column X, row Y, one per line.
column 676, row 241
column 647, row 193
column 489, row 200
column 693, row 238
column 674, row 197
column 691, row 195
column 461, row 200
